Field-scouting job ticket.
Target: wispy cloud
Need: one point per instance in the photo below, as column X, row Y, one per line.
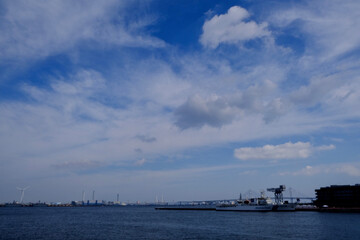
column 287, row 150
column 37, row 30
column 79, row 165
column 350, row 169
column 146, row 139
column 140, row 162
column 328, row 26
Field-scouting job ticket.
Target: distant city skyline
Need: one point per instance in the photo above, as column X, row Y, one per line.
column 192, row 100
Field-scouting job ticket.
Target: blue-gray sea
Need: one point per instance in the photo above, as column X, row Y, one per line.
column 148, row 223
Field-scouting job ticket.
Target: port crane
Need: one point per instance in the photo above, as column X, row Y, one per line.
column 278, row 193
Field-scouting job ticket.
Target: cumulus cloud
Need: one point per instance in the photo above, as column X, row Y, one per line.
column 217, row 111
column 254, row 98
column 231, row 28
column 287, row 150
column 196, row 112
column 274, row 109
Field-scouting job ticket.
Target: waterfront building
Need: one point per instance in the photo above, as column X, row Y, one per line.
column 342, row 196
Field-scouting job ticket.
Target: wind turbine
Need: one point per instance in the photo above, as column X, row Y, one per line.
column 22, row 190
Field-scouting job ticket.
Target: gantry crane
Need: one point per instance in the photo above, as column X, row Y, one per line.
column 278, row 193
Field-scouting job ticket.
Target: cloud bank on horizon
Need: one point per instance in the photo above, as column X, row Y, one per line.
column 148, row 97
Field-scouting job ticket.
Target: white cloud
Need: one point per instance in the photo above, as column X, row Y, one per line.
column 160, row 84
column 329, row 27
column 319, row 90
column 42, row 28
column 196, row 112
column 274, row 109
column 76, row 96
column 350, row 169
column 217, row 111
column 231, row 28
column 146, row 139
column 325, row 147
column 334, row 94
column 308, row 171
column 282, row 151
column 140, row 162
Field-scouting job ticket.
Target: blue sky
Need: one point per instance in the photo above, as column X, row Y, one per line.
column 194, row 100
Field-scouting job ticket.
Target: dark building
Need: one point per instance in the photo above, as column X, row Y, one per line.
column 342, row 196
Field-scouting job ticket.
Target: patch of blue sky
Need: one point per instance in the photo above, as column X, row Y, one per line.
column 180, row 23
column 345, row 58
column 36, row 73
column 12, row 92
column 295, row 43
column 344, row 141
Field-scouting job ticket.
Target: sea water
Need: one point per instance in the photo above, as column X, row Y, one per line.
column 148, row 223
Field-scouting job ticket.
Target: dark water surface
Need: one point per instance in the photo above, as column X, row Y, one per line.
column 147, row 223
